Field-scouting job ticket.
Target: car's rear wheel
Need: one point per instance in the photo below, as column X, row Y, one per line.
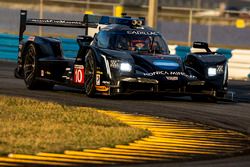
column 30, row 70
column 89, row 75
column 17, row 74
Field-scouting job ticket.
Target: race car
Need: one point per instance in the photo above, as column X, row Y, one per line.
column 118, row 56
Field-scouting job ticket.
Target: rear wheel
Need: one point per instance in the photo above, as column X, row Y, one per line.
column 30, row 70
column 89, row 75
column 17, row 74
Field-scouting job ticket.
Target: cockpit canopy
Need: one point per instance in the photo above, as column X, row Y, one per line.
column 146, row 42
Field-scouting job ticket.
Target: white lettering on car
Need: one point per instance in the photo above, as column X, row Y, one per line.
column 141, row 32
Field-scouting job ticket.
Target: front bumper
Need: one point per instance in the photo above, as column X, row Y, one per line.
column 133, row 85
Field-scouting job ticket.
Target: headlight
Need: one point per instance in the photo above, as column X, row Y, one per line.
column 211, row 71
column 125, row 67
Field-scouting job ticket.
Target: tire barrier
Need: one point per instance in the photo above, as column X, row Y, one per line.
column 239, row 60
column 170, row 141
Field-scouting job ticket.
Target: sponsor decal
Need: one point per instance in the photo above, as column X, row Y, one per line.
column 98, row 79
column 78, row 59
column 173, row 73
column 102, row 88
column 172, row 78
column 136, row 32
column 166, row 64
column 79, row 74
column 48, row 72
column 99, row 72
column 42, row 73
column 31, row 38
column 46, row 21
column 106, row 82
column 170, row 74
column 114, row 63
column 219, row 69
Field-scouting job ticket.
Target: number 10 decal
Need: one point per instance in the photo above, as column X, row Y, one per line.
column 79, row 74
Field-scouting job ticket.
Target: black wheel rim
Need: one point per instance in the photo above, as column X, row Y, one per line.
column 29, row 65
column 89, row 74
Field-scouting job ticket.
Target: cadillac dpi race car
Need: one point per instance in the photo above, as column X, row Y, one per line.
column 118, row 56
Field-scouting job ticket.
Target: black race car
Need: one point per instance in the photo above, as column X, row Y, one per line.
column 118, row 56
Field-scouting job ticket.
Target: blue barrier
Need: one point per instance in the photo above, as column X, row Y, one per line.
column 9, row 46
column 182, row 51
column 226, row 52
column 9, row 50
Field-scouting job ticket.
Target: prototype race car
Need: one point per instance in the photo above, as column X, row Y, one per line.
column 118, row 56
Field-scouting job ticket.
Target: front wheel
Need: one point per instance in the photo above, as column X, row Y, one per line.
column 89, row 75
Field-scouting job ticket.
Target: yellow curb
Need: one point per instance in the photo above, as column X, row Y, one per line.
column 169, row 140
column 113, row 151
column 24, row 161
column 8, row 164
column 89, row 156
column 66, row 160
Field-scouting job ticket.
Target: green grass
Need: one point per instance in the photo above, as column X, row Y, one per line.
column 29, row 126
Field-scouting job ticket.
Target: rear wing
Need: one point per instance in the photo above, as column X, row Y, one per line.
column 85, row 23
column 89, row 22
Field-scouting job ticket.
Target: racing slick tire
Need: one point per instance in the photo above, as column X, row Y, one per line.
column 30, row 70
column 90, row 75
column 17, row 74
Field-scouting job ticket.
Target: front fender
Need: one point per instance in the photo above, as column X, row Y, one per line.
column 200, row 63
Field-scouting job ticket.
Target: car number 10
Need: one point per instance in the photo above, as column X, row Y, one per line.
column 79, row 74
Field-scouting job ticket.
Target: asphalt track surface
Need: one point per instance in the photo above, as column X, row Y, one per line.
column 226, row 115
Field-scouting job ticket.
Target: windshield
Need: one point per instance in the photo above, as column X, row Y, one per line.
column 152, row 44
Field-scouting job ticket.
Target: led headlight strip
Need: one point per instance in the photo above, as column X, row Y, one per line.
column 107, row 66
column 212, row 71
column 125, row 67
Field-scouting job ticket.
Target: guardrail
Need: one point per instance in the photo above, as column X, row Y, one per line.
column 239, row 60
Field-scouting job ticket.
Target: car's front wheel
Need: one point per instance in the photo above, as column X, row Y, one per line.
column 89, row 75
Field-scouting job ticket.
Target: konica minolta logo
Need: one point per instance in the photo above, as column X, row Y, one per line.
column 170, row 73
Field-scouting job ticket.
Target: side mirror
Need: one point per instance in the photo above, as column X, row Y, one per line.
column 201, row 45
